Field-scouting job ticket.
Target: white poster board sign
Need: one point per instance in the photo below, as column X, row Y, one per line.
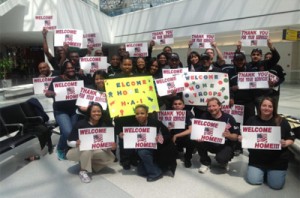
column 254, row 37
column 173, row 119
column 261, row 137
column 137, row 49
column 167, row 86
column 208, row 131
column 91, row 64
column 48, row 22
column 164, row 37
column 68, row 36
column 41, row 85
column 139, row 137
column 92, row 40
column 202, row 40
column 253, row 80
column 199, row 86
column 67, row 90
column 174, row 72
column 89, row 95
column 96, row 138
column 228, row 56
column 237, row 111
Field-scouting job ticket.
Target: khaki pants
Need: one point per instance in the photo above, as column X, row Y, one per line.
column 93, row 160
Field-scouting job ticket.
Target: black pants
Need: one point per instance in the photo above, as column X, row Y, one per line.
column 186, row 142
column 166, row 156
column 224, row 153
column 127, row 156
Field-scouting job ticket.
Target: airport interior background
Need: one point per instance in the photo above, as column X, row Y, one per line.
column 128, row 21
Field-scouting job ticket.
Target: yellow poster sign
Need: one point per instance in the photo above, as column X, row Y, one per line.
column 123, row 94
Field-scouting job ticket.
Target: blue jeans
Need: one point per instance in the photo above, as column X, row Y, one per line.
column 275, row 178
column 146, row 166
column 65, row 121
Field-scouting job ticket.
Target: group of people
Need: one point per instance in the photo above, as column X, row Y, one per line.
column 153, row 163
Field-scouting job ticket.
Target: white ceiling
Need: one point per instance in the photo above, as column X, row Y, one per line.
column 14, row 35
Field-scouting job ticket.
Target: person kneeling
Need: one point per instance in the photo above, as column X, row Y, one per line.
column 181, row 137
column 264, row 164
column 90, row 160
column 153, row 162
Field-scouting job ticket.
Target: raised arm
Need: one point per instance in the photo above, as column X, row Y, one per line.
column 45, row 45
column 190, row 43
column 238, row 47
column 219, row 53
column 275, row 55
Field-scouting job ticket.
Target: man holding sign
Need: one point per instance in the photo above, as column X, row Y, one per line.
column 224, row 152
column 258, row 64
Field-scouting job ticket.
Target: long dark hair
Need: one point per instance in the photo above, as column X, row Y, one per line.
column 162, row 54
column 64, row 67
column 276, row 117
column 189, row 62
column 101, row 73
column 89, row 110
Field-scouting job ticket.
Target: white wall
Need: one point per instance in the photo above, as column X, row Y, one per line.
column 195, row 16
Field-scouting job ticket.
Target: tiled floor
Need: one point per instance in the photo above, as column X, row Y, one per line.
column 49, row 177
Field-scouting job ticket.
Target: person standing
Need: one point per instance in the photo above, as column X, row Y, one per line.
column 64, row 111
column 44, row 70
column 128, row 157
column 238, row 96
column 257, row 64
column 60, row 53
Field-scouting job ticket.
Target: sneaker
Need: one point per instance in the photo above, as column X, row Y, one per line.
column 187, row 163
column 60, row 155
column 225, row 166
column 84, row 177
column 203, row 169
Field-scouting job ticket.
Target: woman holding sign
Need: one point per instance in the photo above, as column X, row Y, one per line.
column 153, row 162
column 98, row 84
column 90, row 160
column 64, row 110
column 272, row 163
